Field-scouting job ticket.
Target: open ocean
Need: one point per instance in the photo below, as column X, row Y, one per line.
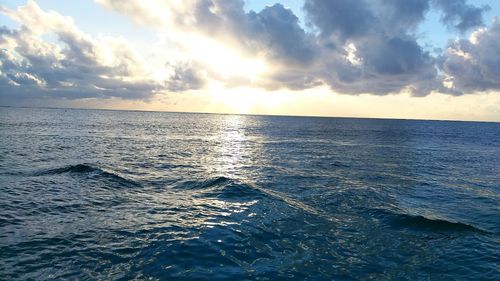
column 120, row 195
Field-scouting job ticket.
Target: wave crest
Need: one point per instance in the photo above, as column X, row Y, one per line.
column 229, row 189
column 419, row 222
column 78, row 168
column 222, row 187
column 91, row 172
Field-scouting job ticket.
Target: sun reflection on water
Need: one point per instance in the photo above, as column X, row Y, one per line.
column 236, row 153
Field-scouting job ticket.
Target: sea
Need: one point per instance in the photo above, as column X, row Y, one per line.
column 130, row 195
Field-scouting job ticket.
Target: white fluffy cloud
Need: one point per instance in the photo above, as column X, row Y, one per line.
column 72, row 64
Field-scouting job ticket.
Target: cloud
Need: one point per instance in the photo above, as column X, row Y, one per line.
column 371, row 46
column 401, row 16
column 343, row 19
column 351, row 46
column 185, row 78
column 460, row 15
column 357, row 37
column 73, row 64
column 474, row 64
column 273, row 32
column 272, row 35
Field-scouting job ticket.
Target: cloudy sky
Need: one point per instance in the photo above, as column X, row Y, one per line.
column 431, row 59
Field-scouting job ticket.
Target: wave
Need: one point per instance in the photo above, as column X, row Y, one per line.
column 90, row 171
column 226, row 188
column 420, row 222
column 78, row 168
column 214, row 182
column 222, row 187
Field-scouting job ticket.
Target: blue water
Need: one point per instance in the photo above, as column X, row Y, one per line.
column 107, row 195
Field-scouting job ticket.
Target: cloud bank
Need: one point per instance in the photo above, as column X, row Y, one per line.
column 73, row 64
column 351, row 46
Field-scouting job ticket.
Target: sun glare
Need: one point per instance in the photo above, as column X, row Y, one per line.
column 222, row 59
column 246, row 100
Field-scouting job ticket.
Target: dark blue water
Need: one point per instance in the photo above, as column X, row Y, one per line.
column 89, row 194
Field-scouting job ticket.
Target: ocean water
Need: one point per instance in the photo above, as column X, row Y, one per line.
column 117, row 195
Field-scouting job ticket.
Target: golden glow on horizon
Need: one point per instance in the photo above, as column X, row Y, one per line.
column 314, row 102
column 246, row 100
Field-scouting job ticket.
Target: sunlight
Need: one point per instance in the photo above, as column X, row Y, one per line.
column 233, row 102
column 221, row 58
column 241, row 104
column 243, row 100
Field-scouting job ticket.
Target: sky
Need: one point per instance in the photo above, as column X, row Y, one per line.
column 410, row 59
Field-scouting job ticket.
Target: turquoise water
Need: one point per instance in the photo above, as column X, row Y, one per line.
column 108, row 195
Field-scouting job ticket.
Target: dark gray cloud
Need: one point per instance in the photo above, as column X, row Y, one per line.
column 394, row 56
column 474, row 65
column 279, row 32
column 390, row 59
column 460, row 15
column 401, row 16
column 352, row 19
column 185, row 77
column 388, row 56
column 344, row 19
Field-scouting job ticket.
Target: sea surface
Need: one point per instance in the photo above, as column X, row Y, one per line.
column 121, row 195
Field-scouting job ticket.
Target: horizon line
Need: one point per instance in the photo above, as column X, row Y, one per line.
column 249, row 114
